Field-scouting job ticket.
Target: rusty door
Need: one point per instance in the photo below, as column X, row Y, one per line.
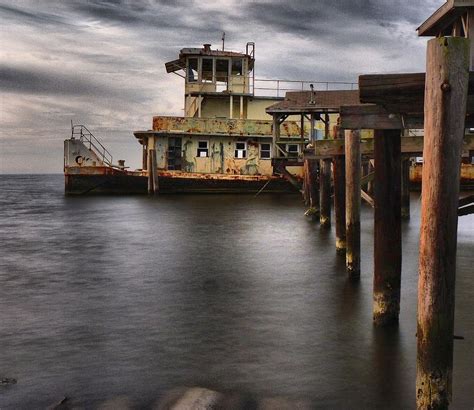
column 175, row 153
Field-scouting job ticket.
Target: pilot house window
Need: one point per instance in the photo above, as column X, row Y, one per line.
column 207, row 70
column 240, row 150
column 203, row 149
column 192, row 70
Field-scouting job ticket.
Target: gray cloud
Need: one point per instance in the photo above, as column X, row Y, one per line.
column 31, row 81
column 101, row 62
column 36, row 17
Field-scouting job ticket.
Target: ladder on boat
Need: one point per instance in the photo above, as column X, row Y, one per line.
column 92, row 143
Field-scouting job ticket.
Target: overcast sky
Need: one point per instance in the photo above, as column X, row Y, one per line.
column 101, row 62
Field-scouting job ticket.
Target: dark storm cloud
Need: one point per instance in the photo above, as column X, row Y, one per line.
column 310, row 16
column 119, row 11
column 35, row 17
column 34, row 81
column 185, row 16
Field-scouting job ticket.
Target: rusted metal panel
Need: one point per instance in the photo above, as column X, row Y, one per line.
column 220, row 157
column 211, row 126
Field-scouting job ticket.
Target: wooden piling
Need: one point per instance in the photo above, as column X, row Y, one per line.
column 145, row 157
column 151, row 188
column 387, row 227
column 152, row 167
column 325, row 184
column 445, row 110
column 306, row 177
column 313, row 188
column 353, row 162
column 339, row 174
column 325, row 193
column 156, row 187
column 405, row 188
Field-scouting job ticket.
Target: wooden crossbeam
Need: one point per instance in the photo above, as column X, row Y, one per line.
column 466, row 210
column 367, row 198
column 375, row 117
column 410, row 145
column 404, row 93
column 466, row 205
column 367, row 178
column 467, row 200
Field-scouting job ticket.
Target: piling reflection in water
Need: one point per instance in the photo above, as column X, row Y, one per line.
column 106, row 297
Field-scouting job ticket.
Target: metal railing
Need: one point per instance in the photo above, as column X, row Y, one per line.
column 278, row 88
column 87, row 138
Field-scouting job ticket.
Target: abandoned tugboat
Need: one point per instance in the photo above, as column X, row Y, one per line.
column 224, row 143
column 231, row 138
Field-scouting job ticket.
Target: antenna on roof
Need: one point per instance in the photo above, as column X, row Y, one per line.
column 223, row 39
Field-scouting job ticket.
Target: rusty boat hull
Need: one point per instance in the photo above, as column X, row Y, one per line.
column 104, row 180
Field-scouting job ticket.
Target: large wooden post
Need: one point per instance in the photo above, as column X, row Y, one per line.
column 325, row 193
column 352, row 151
column 339, row 172
column 152, row 167
column 313, row 188
column 275, row 135
column 145, row 156
column 325, row 184
column 445, row 109
column 405, row 188
column 387, row 226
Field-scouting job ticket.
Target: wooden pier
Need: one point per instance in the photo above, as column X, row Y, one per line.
column 441, row 102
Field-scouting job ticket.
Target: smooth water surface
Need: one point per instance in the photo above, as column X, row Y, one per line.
column 133, row 296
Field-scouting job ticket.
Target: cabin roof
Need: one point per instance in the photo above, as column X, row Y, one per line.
column 321, row 101
column 440, row 22
column 209, row 52
column 180, row 63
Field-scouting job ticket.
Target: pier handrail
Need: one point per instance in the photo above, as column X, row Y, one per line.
column 85, row 136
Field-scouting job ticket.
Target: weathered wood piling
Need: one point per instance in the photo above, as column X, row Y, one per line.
column 339, row 174
column 387, row 227
column 325, row 184
column 445, row 109
column 152, row 167
column 353, row 170
column 405, row 188
column 325, row 193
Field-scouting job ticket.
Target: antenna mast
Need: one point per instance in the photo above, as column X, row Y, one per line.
column 223, row 39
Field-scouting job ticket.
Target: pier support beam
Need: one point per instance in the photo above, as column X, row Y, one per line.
column 445, row 110
column 353, row 165
column 152, row 167
column 325, row 184
column 145, row 157
column 387, row 227
column 405, row 188
column 313, row 189
column 325, row 193
column 339, row 173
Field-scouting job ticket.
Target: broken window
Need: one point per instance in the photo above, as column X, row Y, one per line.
column 192, row 70
column 207, row 70
column 203, row 149
column 222, row 74
column 240, row 150
column 265, row 151
column 292, row 149
column 237, row 67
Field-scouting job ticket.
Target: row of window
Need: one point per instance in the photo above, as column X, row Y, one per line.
column 240, row 150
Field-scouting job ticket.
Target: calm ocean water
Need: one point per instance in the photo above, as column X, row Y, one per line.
column 133, row 296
